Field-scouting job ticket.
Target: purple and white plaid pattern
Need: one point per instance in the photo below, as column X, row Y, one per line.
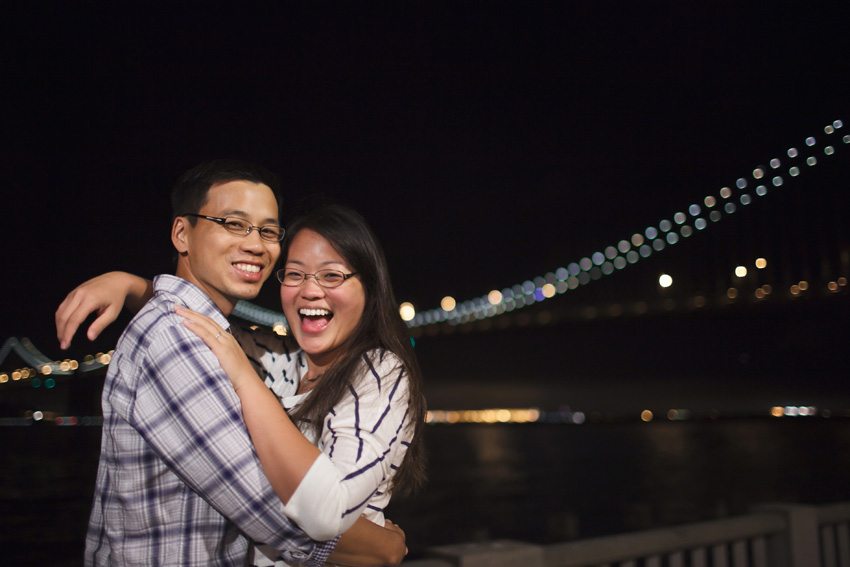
column 179, row 482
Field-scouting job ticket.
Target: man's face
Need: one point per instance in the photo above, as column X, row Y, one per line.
column 228, row 267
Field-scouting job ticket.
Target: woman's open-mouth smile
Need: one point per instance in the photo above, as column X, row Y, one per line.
column 314, row 320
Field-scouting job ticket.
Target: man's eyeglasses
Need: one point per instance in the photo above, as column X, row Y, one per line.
column 241, row 227
column 291, row 277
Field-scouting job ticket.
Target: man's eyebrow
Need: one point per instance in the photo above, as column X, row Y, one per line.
column 244, row 215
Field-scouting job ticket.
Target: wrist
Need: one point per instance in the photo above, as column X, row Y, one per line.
column 247, row 383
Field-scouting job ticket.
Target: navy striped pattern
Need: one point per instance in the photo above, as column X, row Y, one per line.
column 272, row 356
column 367, row 433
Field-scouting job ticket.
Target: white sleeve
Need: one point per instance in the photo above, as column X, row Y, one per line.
column 317, row 504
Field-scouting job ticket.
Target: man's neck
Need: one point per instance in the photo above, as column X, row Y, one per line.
column 225, row 304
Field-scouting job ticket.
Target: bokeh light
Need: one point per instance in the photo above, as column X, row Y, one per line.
column 407, row 311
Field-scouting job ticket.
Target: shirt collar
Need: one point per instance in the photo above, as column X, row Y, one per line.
column 190, row 296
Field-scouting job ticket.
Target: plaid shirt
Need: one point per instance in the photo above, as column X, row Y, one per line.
column 179, row 482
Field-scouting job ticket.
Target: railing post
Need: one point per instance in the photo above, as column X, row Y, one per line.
column 799, row 547
column 500, row 553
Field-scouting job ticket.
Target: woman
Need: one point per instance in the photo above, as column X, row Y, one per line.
column 354, row 387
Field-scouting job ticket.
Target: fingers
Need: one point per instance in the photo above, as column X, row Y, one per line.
column 94, row 296
column 106, row 318
column 394, row 527
column 70, row 315
column 61, row 318
column 207, row 329
column 196, row 318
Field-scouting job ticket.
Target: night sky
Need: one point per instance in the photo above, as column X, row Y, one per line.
column 485, row 145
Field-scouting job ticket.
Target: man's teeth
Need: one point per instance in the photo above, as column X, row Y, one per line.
column 250, row 268
column 314, row 312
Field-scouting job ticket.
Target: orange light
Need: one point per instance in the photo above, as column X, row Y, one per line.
column 407, row 311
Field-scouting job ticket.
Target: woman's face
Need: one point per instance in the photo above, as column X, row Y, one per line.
column 320, row 318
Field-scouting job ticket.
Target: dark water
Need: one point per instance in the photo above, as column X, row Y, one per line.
column 532, row 482
column 546, row 483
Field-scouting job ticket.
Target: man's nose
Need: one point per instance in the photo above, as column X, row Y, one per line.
column 253, row 240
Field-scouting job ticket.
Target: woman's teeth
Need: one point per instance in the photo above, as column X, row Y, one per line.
column 250, row 268
column 314, row 312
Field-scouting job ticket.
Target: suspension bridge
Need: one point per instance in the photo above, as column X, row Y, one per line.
column 773, row 235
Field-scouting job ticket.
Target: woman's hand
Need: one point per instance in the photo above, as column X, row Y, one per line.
column 230, row 355
column 105, row 295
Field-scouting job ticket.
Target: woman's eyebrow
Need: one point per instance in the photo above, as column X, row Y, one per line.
column 325, row 263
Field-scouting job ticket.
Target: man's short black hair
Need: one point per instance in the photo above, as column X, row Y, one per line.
column 190, row 191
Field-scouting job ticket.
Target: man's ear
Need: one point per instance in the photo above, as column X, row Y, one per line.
column 180, row 234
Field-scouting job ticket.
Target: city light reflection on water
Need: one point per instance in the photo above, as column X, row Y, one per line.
column 545, row 482
column 533, row 481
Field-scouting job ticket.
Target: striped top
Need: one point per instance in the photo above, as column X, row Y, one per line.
column 366, row 436
column 179, row 481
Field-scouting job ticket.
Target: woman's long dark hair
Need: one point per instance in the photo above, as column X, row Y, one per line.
column 380, row 327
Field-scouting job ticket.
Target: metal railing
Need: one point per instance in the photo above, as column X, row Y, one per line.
column 776, row 535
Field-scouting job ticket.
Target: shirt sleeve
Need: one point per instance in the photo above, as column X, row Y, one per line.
column 364, row 438
column 186, row 409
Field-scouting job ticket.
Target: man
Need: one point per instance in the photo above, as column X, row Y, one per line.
column 179, row 481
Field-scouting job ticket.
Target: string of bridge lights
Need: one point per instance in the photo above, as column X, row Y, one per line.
column 639, row 246
column 654, row 239
column 611, row 259
column 40, row 365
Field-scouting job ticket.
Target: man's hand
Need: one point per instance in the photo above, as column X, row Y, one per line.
column 104, row 295
column 397, row 529
column 369, row 545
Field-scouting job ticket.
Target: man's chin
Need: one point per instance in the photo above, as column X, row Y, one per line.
column 249, row 296
column 247, row 292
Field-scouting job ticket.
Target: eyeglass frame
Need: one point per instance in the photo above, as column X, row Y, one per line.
column 279, row 274
column 222, row 222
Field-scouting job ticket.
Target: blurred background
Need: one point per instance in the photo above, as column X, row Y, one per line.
column 626, row 222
